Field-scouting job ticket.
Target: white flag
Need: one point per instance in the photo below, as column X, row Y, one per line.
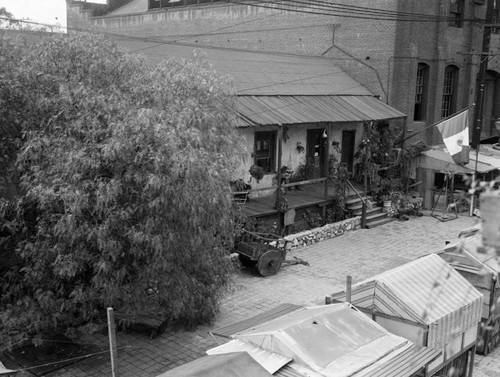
column 455, row 133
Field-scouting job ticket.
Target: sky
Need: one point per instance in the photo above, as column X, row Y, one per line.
column 51, row 12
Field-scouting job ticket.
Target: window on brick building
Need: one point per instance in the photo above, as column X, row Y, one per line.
column 448, row 105
column 157, row 4
column 457, row 13
column 421, row 88
column 495, row 17
column 265, row 150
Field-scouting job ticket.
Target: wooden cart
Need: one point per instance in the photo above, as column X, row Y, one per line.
column 267, row 251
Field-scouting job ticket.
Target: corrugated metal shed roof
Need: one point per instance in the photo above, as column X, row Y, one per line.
column 427, row 291
column 270, row 110
column 404, row 364
column 259, row 319
column 333, row 340
column 423, row 290
column 330, row 340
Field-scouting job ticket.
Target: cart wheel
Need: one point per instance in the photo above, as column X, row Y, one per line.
column 246, row 261
column 270, row 262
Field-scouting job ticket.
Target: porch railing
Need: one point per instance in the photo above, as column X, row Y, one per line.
column 363, row 204
column 285, row 185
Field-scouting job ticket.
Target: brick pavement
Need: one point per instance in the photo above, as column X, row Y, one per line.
column 361, row 254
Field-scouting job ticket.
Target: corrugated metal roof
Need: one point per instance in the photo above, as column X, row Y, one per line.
column 330, row 340
column 406, row 363
column 333, row 340
column 270, row 110
column 275, row 88
column 257, row 72
column 427, row 291
column 259, row 319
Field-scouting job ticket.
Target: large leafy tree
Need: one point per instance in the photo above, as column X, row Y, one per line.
column 125, row 171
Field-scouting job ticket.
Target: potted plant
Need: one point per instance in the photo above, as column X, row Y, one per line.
column 241, row 190
column 257, row 172
column 386, row 202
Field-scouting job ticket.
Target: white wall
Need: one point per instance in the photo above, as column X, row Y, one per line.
column 291, row 157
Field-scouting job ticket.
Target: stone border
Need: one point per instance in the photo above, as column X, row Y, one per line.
column 312, row 236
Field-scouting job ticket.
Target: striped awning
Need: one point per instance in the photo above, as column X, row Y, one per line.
column 426, row 291
column 440, row 160
column 293, row 109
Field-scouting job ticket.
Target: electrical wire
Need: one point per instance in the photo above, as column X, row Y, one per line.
column 364, row 11
column 294, row 80
column 69, row 359
column 283, row 6
column 142, row 39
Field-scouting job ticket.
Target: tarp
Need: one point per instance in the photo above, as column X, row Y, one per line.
column 331, row 340
column 236, row 364
column 439, row 159
column 426, row 291
column 6, row 372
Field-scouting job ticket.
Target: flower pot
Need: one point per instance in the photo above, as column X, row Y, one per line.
column 386, row 204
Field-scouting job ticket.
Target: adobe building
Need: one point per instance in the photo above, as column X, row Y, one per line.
column 420, row 57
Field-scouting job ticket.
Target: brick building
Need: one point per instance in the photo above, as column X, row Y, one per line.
column 420, row 57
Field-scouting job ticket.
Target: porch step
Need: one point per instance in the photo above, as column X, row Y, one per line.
column 357, row 208
column 381, row 221
column 376, row 214
column 354, row 199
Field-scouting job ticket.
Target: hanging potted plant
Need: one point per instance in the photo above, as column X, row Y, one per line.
column 257, row 172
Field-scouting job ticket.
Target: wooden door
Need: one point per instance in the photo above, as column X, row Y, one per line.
column 347, row 151
column 315, row 153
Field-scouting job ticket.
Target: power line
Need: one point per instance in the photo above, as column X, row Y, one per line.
column 67, row 360
column 282, row 6
column 366, row 11
column 195, row 46
column 295, row 80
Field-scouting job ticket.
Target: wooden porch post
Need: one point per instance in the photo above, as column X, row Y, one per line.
column 281, row 215
column 368, row 128
column 325, row 138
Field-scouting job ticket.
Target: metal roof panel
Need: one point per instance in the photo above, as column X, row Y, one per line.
column 268, row 110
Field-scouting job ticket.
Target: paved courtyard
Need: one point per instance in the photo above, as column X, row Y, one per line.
column 361, row 254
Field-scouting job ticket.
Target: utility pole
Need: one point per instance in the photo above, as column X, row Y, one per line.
column 481, row 76
column 112, row 342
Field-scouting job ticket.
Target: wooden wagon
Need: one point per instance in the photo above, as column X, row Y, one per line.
column 266, row 251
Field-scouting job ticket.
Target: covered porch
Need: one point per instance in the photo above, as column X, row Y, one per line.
column 314, row 195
